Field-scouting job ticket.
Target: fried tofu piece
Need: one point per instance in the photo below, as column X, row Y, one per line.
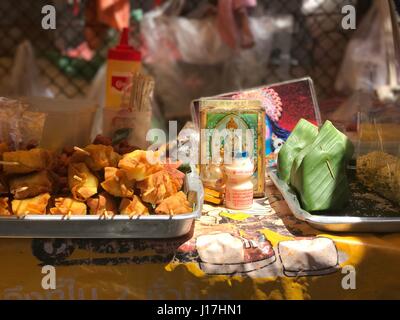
column 82, row 183
column 133, row 207
column 103, row 204
column 139, row 164
column 158, row 186
column 23, row 161
column 68, row 206
column 175, row 204
column 4, row 207
column 31, row 185
column 97, row 157
column 117, row 183
column 35, row 205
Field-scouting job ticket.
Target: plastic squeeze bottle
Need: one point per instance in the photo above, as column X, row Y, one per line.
column 122, row 61
column 239, row 187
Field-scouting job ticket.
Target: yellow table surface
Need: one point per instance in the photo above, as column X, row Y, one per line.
column 271, row 256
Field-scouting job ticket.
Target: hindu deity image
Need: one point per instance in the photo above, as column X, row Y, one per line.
column 275, row 135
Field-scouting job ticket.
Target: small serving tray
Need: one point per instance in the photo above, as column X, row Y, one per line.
column 336, row 222
column 151, row 226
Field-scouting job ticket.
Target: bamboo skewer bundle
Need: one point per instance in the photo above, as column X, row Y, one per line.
column 138, row 102
column 141, row 90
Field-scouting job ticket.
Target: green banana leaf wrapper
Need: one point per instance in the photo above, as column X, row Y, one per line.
column 318, row 173
column 303, row 134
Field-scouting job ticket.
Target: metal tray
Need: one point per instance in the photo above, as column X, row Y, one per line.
column 335, row 223
column 153, row 226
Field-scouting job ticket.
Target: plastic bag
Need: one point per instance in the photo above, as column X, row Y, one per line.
column 133, row 118
column 188, row 59
column 378, row 152
column 25, row 77
column 20, row 127
column 97, row 93
column 345, row 115
column 364, row 66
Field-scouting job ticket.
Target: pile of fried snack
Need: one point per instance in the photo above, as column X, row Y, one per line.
column 99, row 179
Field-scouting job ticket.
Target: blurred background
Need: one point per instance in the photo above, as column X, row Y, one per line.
column 292, row 39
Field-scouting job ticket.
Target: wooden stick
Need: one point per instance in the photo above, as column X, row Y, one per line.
column 81, row 150
column 77, row 178
column 104, row 214
column 21, row 189
column 330, row 169
column 148, row 191
column 10, row 163
column 68, row 216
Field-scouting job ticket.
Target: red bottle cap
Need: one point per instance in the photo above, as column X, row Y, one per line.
column 123, row 51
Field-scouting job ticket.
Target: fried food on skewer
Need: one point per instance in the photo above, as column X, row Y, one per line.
column 96, row 156
column 117, row 183
column 103, row 205
column 158, row 186
column 35, row 205
column 175, row 204
column 81, row 181
column 23, row 161
column 137, row 165
column 68, row 206
column 132, row 207
column 31, row 185
column 4, row 207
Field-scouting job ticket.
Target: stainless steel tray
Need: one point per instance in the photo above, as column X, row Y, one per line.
column 334, row 223
column 153, row 226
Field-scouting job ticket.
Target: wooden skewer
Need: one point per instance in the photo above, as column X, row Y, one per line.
column 81, row 150
column 77, row 178
column 10, row 163
column 104, row 214
column 21, row 189
column 148, row 191
column 22, row 216
column 330, row 169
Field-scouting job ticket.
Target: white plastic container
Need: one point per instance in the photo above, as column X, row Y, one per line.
column 239, row 188
column 69, row 122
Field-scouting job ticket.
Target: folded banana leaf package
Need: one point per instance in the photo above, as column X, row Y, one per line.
column 318, row 172
column 303, row 134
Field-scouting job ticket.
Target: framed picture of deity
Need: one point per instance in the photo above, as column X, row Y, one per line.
column 284, row 104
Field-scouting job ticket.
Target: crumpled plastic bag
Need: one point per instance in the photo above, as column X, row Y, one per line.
column 188, row 58
column 25, row 77
column 209, row 48
column 364, row 65
column 20, row 127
